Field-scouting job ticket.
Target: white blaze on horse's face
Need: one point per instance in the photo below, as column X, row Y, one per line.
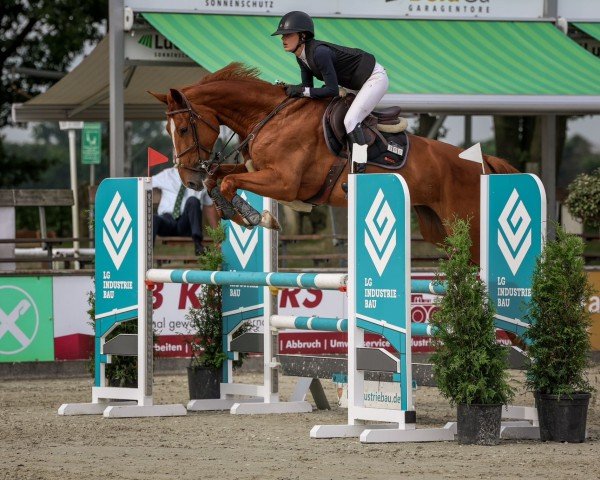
column 172, row 130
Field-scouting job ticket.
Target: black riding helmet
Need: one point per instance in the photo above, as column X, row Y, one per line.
column 295, row 22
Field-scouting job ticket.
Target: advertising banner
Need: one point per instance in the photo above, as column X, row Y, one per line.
column 593, row 307
column 513, row 220
column 73, row 330
column 26, row 322
column 142, row 46
column 91, row 144
column 449, row 9
column 244, row 251
column 116, row 250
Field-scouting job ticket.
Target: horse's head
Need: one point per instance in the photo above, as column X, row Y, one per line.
column 194, row 131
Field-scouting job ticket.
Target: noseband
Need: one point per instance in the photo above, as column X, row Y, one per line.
column 210, row 165
column 202, row 164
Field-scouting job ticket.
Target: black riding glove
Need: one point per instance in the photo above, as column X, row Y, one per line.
column 294, row 90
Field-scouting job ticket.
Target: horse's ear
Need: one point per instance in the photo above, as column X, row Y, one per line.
column 161, row 97
column 176, row 96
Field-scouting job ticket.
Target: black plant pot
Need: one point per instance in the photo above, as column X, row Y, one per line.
column 204, row 382
column 562, row 419
column 479, row 424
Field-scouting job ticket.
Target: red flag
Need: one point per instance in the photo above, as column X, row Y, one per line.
column 155, row 158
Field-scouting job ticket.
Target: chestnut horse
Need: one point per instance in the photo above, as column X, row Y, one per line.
column 291, row 159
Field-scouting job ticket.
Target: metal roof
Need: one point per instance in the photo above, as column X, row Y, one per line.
column 83, row 94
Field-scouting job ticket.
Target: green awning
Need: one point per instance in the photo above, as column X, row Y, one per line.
column 421, row 56
column 592, row 29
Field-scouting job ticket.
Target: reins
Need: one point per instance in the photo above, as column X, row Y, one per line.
column 209, row 164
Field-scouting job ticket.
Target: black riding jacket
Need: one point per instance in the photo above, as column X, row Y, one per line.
column 335, row 65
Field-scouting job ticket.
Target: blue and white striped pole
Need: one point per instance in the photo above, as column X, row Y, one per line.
column 427, row 286
column 321, row 281
column 283, row 322
column 309, row 323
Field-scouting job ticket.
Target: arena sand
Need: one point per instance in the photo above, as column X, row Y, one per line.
column 35, row 443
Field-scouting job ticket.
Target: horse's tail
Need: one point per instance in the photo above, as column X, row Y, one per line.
column 497, row 165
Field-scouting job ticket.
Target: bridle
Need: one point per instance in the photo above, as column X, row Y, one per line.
column 210, row 165
column 203, row 164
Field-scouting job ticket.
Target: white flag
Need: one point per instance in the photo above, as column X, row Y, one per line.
column 473, row 154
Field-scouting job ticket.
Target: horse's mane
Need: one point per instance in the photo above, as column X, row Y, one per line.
column 233, row 71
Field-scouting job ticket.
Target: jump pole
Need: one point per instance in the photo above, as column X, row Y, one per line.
column 513, row 231
column 248, row 275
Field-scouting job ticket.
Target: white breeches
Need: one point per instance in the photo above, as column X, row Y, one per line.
column 367, row 98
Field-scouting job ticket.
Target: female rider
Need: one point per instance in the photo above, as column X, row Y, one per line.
column 336, row 65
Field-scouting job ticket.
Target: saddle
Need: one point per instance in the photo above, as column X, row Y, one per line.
column 387, row 141
column 385, row 135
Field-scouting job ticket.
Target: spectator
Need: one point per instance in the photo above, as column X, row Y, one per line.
column 180, row 209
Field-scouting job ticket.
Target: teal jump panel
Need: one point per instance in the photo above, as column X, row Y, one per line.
column 382, row 264
column 117, row 258
column 513, row 231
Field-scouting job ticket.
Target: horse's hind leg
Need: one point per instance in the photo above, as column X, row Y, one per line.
column 430, row 224
column 433, row 228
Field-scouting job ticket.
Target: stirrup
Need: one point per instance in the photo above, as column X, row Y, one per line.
column 359, row 167
column 357, row 135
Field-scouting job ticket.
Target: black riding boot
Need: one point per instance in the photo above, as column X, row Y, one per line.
column 357, row 136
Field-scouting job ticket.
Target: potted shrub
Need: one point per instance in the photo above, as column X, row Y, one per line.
column 206, row 327
column 583, row 201
column 206, row 324
column 559, row 340
column 469, row 365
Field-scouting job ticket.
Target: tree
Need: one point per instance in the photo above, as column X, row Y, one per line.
column 19, row 167
column 578, row 157
column 519, row 139
column 426, row 122
column 43, row 35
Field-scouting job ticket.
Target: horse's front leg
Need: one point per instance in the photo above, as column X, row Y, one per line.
column 224, row 208
column 268, row 183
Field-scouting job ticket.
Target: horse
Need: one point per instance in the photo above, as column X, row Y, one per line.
column 290, row 159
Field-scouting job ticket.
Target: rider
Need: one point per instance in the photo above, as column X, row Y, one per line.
column 336, row 65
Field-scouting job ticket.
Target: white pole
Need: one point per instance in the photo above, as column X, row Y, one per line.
column 91, row 210
column 75, row 208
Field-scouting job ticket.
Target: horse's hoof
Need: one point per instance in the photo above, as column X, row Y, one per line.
column 269, row 221
column 253, row 218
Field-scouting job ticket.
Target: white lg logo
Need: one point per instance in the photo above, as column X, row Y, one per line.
column 514, row 234
column 380, row 236
column 117, row 233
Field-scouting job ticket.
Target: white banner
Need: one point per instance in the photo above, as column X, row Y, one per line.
column 70, row 304
column 506, row 9
column 173, row 301
column 579, row 9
